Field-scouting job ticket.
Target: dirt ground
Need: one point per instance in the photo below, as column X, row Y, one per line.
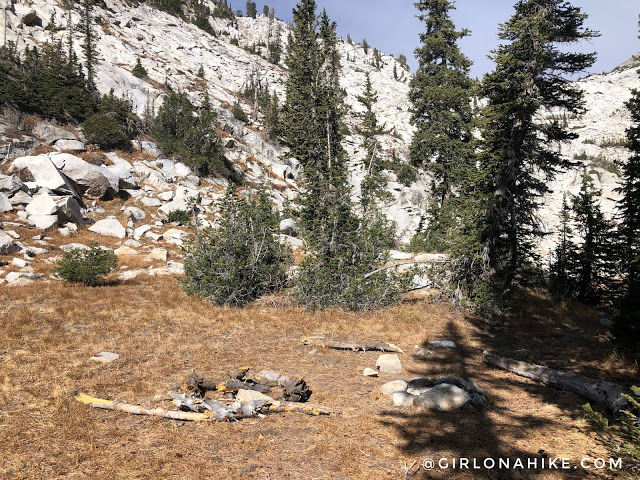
column 49, row 331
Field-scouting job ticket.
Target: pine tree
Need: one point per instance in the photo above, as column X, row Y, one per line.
column 440, row 93
column 251, row 9
column 89, row 47
column 373, row 183
column 627, row 324
column 563, row 268
column 365, row 45
column 344, row 248
column 265, row 10
column 138, row 70
column 520, row 153
column 595, row 256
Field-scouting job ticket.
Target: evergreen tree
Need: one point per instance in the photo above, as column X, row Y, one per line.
column 344, row 248
column 440, row 93
column 138, row 70
column 265, row 10
column 89, row 45
column 242, row 259
column 520, row 153
column 275, row 46
column 251, row 9
column 563, row 267
column 627, row 326
column 373, row 184
column 595, row 256
column 202, row 12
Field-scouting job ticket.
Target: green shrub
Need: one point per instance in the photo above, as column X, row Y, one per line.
column 86, row 265
column 139, row 71
column 105, row 131
column 189, row 134
column 242, row 259
column 406, row 174
column 182, row 217
column 238, row 113
column 623, row 437
column 343, row 277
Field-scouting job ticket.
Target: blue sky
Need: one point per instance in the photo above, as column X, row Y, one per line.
column 391, row 26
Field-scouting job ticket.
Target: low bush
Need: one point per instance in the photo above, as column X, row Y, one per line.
column 86, row 266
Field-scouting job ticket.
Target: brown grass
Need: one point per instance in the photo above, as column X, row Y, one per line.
column 48, row 331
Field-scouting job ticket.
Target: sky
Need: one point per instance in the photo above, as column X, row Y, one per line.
column 391, row 26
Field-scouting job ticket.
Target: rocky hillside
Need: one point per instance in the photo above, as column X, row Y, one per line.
column 173, row 51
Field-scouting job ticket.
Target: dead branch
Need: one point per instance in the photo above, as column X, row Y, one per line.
column 201, row 385
column 600, row 391
column 355, row 345
column 206, row 410
column 401, row 264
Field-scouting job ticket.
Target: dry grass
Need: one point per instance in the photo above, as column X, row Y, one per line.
column 48, row 331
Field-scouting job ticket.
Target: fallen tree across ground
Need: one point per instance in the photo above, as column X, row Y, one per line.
column 600, row 391
column 355, row 345
column 207, row 411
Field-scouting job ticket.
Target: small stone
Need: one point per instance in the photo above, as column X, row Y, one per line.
column 135, row 214
column 109, row 227
column 419, row 385
column 157, row 255
column 370, row 372
column 478, row 400
column 13, row 276
column 423, row 352
column 150, row 202
column 20, row 263
column 132, row 243
column 175, row 267
column 389, row 363
column 249, row 395
column 106, row 357
column 124, row 251
column 390, row 388
column 443, row 344
column 402, row 399
column 73, row 246
column 44, row 222
column 442, row 398
column 153, row 236
column 140, row 231
column 605, row 322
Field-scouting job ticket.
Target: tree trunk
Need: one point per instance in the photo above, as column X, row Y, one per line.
column 601, row 391
column 355, row 345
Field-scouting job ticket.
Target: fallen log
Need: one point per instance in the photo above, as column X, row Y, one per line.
column 355, row 345
column 211, row 411
column 600, row 391
column 293, row 389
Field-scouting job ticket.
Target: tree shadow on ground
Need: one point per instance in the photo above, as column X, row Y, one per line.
column 521, row 413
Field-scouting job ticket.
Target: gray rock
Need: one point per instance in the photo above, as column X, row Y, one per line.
column 42, row 204
column 605, row 322
column 389, row 363
column 91, row 181
column 6, row 244
column 423, row 352
column 140, row 231
column 403, row 399
column 44, row 222
column 394, row 386
column 20, row 263
column 73, row 145
column 132, row 243
column 69, row 211
column 398, row 255
column 49, row 133
column 11, row 184
column 175, row 267
column 5, row 203
column 44, row 173
column 443, row 344
column 13, row 276
column 288, row 226
column 478, row 400
column 249, row 395
column 150, row 202
column 443, row 398
column 419, row 385
column 134, row 213
column 106, row 357
column 25, row 14
column 109, row 227
column 370, row 372
column 73, row 246
column 166, row 196
column 20, row 198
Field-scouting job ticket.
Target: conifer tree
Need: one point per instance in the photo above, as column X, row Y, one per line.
column 89, row 46
column 595, row 255
column 563, row 266
column 344, row 248
column 627, row 324
column 373, row 183
column 440, row 93
column 520, row 153
column 251, row 9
